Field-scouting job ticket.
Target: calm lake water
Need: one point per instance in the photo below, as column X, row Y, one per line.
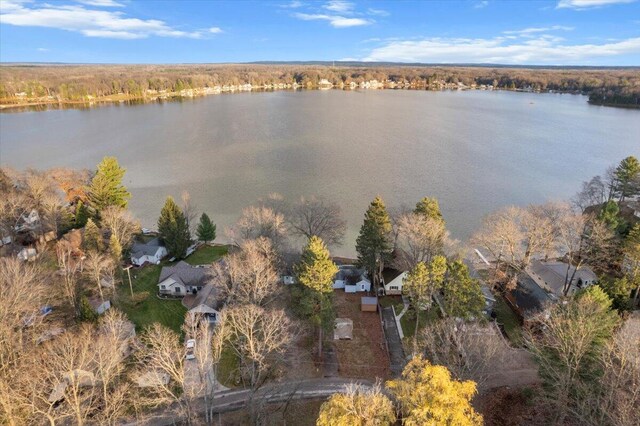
column 475, row 151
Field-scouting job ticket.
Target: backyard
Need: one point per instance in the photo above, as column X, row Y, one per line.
column 145, row 308
column 509, row 321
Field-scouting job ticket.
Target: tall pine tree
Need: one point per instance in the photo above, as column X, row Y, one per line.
column 206, row 230
column 173, row 229
column 628, row 177
column 315, row 272
column 374, row 242
column 106, row 187
column 92, row 239
column 429, row 207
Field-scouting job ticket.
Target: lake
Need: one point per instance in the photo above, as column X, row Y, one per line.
column 475, row 151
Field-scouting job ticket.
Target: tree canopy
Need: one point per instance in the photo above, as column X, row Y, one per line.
column 429, row 207
column 357, row 407
column 462, row 295
column 206, row 230
column 173, row 229
column 428, row 396
column 106, row 187
column 628, row 177
column 373, row 243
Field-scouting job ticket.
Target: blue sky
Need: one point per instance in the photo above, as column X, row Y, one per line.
column 554, row 32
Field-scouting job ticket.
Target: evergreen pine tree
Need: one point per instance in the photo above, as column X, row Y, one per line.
column 173, row 229
column 206, row 230
column 627, row 177
column 609, row 215
column 374, row 243
column 429, row 207
column 92, row 238
column 462, row 294
column 315, row 272
column 81, row 215
column 106, row 187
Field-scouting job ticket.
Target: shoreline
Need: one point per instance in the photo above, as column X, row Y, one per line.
column 39, row 104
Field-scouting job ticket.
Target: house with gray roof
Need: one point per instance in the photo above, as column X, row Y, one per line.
column 553, row 275
column 181, row 279
column 152, row 251
column 528, row 299
column 207, row 303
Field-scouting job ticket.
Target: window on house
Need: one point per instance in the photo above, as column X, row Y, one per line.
column 393, row 287
column 177, row 290
column 162, row 287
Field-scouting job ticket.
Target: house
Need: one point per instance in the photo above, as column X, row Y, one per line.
column 489, row 299
column 207, row 303
column 528, row 299
column 152, row 252
column 182, row 278
column 552, row 276
column 27, row 254
column 392, row 281
column 28, row 222
column 343, row 329
column 99, row 306
column 351, row 279
column 368, row 304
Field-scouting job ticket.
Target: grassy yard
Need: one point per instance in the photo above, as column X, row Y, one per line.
column 206, row 254
column 511, row 323
column 145, row 308
column 408, row 320
column 228, row 368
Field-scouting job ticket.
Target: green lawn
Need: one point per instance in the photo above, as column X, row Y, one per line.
column 511, row 323
column 408, row 320
column 206, row 254
column 228, row 368
column 144, row 311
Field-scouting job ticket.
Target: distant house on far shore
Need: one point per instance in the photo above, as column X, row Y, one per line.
column 151, row 252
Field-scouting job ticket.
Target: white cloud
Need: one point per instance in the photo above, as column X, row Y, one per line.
column 339, row 6
column 533, row 30
column 481, row 4
column 334, row 20
column 292, row 5
column 89, row 22
column 499, row 50
column 584, row 4
column 42, row 49
column 215, row 30
column 101, row 3
column 377, row 12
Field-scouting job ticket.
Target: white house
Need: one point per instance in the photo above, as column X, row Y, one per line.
column 394, row 286
column 152, row 252
column 181, row 279
column 351, row 279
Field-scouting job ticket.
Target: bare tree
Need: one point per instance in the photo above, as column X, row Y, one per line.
column 593, row 193
column 419, row 239
column 250, row 275
column 70, row 268
column 97, row 266
column 189, row 210
column 162, row 358
column 121, row 224
column 259, row 337
column 471, row 351
column 316, row 216
column 257, row 222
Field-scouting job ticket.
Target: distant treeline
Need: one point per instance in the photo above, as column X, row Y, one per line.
column 19, row 83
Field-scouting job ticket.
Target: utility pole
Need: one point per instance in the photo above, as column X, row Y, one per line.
column 128, row 269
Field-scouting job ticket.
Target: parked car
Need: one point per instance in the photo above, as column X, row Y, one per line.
column 191, row 347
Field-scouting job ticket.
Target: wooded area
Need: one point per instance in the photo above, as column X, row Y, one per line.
column 22, row 84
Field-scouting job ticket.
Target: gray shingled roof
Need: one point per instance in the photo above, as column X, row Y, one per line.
column 530, row 297
column 146, row 249
column 554, row 274
column 185, row 274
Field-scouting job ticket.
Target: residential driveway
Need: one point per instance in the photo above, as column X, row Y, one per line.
column 199, row 377
column 396, row 353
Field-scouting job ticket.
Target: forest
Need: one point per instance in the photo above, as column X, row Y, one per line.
column 33, row 84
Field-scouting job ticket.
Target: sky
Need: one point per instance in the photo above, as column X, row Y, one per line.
column 544, row 32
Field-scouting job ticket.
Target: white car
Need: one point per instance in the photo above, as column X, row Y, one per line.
column 191, row 347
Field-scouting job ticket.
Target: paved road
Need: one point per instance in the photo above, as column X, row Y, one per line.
column 231, row 400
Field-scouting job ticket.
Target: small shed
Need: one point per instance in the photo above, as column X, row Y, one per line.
column 368, row 304
column 343, row 329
